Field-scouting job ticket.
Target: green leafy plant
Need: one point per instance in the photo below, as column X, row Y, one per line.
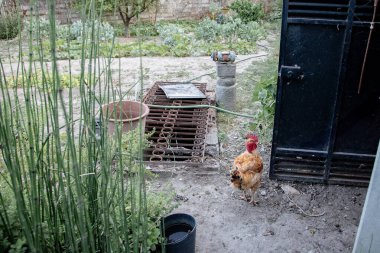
column 176, row 39
column 170, row 33
column 251, row 31
column 37, row 79
column 247, row 11
column 103, row 29
column 144, row 29
column 9, row 25
column 265, row 94
column 66, row 184
column 159, row 205
column 40, row 28
column 38, row 25
column 214, row 9
column 208, row 30
column 64, row 33
column 233, row 34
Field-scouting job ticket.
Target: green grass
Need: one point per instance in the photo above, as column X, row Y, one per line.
column 64, row 188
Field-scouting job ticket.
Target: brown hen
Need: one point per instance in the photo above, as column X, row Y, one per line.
column 248, row 168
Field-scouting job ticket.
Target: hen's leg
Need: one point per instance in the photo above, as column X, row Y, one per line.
column 254, row 198
column 233, row 194
column 244, row 196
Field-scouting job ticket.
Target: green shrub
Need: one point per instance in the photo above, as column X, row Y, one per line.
column 144, row 29
column 264, row 93
column 176, row 39
column 37, row 80
column 41, row 27
column 104, row 29
column 159, row 204
column 119, row 29
column 38, row 26
column 170, row 33
column 230, row 32
column 188, row 26
column 9, row 26
column 247, row 11
column 208, row 30
column 252, row 31
column 64, row 33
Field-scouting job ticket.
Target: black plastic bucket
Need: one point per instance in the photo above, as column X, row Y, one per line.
column 180, row 231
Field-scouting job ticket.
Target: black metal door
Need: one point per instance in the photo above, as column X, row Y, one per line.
column 326, row 129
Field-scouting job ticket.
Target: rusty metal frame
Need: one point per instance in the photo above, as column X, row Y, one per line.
column 179, row 134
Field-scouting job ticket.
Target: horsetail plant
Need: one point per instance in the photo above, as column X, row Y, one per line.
column 64, row 185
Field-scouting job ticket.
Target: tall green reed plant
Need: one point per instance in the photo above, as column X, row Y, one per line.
column 74, row 189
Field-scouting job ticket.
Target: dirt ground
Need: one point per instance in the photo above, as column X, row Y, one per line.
column 281, row 222
column 319, row 219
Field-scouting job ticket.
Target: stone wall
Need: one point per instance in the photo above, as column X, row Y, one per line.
column 186, row 9
column 167, row 10
column 64, row 11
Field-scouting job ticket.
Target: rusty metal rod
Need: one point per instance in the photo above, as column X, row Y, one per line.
column 181, row 113
column 180, row 130
column 177, row 123
column 176, row 139
column 183, row 119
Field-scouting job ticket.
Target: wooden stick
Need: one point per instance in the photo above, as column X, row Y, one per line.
column 368, row 42
column 302, row 211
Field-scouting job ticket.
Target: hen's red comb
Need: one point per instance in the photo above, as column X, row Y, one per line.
column 252, row 136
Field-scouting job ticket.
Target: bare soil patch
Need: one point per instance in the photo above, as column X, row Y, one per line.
column 280, row 223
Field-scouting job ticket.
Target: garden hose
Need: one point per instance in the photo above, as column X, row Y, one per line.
column 200, row 106
column 208, row 106
column 210, row 73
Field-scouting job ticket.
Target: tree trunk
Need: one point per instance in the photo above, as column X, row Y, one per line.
column 126, row 27
column 126, row 20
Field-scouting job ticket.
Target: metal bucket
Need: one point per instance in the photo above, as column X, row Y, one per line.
column 126, row 113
